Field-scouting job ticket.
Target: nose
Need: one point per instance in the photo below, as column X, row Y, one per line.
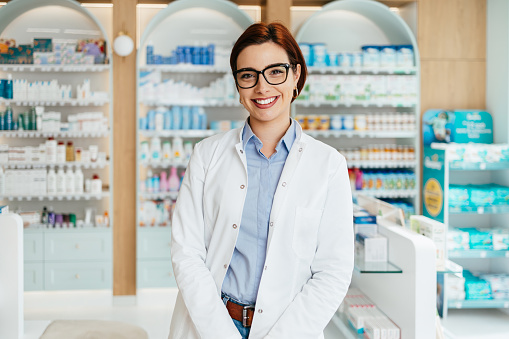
column 262, row 85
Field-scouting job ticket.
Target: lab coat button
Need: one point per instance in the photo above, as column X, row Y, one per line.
column 241, row 151
column 225, row 266
column 300, row 149
column 284, row 184
column 271, row 223
column 260, row 310
column 265, row 268
column 242, row 187
column 235, row 226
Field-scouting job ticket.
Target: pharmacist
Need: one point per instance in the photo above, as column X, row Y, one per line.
column 262, row 236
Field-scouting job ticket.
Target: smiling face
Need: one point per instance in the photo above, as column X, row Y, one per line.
column 267, row 103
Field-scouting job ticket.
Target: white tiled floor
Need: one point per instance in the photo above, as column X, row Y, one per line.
column 151, row 309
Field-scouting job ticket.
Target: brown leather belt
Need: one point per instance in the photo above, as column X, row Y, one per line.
column 241, row 313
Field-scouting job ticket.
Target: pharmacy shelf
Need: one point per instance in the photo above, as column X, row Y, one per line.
column 457, row 254
column 61, row 134
column 361, row 134
column 491, row 303
column 184, row 68
column 381, row 164
column 361, row 70
column 197, row 102
column 388, row 193
column 478, row 166
column 163, row 164
column 56, row 68
column 489, row 209
column 77, row 164
column 68, row 102
column 84, row 196
column 188, row 133
column 44, row 228
column 341, row 323
column 451, row 268
column 337, row 103
column 376, row 267
column 159, row 196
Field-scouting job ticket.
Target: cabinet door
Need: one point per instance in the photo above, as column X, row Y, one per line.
column 153, row 243
column 70, row 276
column 78, row 246
column 155, row 273
column 33, row 249
column 33, row 276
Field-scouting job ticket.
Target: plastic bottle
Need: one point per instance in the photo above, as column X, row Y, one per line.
column 78, row 181
column 188, row 150
column 2, row 121
column 51, row 182
column 96, row 185
column 181, row 178
column 2, row 181
column 148, row 182
column 163, row 185
column 44, row 215
column 9, row 92
column 173, row 180
column 69, row 181
column 69, row 151
column 51, row 217
column 8, row 122
column 60, row 182
column 155, row 149
column 156, row 183
column 167, row 155
column 178, row 149
column 144, row 154
column 51, row 150
column 106, row 219
column 61, row 152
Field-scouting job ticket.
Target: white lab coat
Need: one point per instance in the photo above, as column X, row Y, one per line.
column 309, row 259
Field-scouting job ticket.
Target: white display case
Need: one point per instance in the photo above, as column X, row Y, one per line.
column 65, row 21
column 182, row 23
column 344, row 26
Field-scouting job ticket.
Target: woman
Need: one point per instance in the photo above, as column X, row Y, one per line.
column 262, row 236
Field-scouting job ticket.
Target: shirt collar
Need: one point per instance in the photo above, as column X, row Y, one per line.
column 287, row 139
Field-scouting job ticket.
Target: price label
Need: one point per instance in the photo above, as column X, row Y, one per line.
column 482, row 166
column 480, row 210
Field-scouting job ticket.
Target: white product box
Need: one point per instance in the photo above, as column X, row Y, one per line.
column 435, row 231
column 371, row 247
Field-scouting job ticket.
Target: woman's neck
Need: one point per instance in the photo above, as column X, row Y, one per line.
column 269, row 133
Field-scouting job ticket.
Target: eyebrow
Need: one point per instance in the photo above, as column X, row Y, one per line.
column 274, row 64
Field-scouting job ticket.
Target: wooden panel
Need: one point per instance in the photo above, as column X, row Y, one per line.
column 277, row 10
column 124, row 150
column 457, row 84
column 452, row 29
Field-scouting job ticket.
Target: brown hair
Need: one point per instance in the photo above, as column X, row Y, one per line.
column 260, row 33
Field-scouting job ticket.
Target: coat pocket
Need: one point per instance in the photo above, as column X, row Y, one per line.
column 305, row 232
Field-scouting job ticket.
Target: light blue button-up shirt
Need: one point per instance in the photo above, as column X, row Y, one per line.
column 245, row 270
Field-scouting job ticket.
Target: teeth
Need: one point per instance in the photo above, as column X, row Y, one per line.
column 266, row 101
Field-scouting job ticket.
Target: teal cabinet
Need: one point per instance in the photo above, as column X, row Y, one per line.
column 33, row 246
column 73, row 276
column 33, row 276
column 154, row 243
column 155, row 273
column 70, row 246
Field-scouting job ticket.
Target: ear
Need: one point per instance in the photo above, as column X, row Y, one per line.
column 296, row 74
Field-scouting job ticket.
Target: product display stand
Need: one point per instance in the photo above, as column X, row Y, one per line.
column 74, row 257
column 344, row 26
column 11, row 276
column 185, row 24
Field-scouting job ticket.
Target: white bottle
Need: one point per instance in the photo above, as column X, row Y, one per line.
column 51, row 151
column 61, row 152
column 2, row 181
column 78, row 181
column 51, row 182
column 97, row 185
column 178, row 149
column 155, row 149
column 61, row 181
column 167, row 154
column 69, row 181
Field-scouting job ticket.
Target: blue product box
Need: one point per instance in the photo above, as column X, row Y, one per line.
column 481, row 195
column 458, row 195
column 188, row 55
column 180, row 55
column 176, row 113
column 167, row 125
column 43, row 45
column 151, row 120
column 196, row 53
column 186, row 117
column 203, row 121
column 371, row 56
column 211, row 52
column 143, row 123
column 195, row 117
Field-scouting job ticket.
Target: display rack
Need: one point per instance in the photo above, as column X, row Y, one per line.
column 89, row 267
column 183, row 22
column 363, row 22
column 410, row 300
column 438, row 173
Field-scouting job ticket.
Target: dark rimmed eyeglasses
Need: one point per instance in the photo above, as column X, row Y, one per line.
column 274, row 75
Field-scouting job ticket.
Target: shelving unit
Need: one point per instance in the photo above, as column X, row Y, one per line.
column 181, row 23
column 362, row 22
column 50, row 264
column 438, row 168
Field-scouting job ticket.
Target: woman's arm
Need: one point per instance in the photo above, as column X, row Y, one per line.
column 188, row 254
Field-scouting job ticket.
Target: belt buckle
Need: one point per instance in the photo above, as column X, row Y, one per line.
column 244, row 314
